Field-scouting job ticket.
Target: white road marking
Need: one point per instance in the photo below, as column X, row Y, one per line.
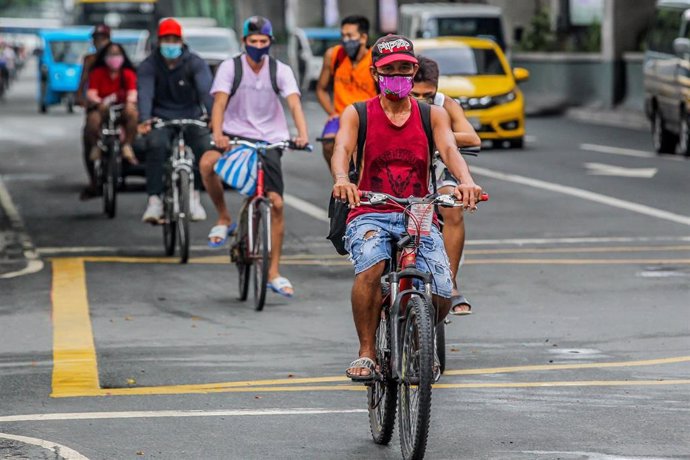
column 34, row 263
column 530, row 139
column 585, row 195
column 628, row 152
column 306, row 207
column 171, row 413
column 617, row 151
column 58, row 449
column 601, row 169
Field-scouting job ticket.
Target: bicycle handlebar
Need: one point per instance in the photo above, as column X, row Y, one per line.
column 446, row 200
column 179, row 122
column 264, row 146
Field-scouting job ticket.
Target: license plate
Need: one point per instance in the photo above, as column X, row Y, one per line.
column 474, row 121
column 420, row 219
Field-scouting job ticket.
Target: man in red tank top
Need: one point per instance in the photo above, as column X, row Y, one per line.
column 396, row 161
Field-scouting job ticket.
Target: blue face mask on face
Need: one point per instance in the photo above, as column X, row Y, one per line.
column 171, row 50
column 257, row 53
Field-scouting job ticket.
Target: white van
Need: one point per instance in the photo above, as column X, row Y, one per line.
column 429, row 20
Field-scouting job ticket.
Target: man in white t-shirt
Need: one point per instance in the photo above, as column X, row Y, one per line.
column 251, row 109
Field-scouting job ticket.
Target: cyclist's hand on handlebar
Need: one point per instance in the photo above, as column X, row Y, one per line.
column 347, row 192
column 144, row 127
column 300, row 142
column 221, row 141
column 470, row 194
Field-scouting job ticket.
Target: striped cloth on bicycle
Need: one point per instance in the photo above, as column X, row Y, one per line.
column 237, row 168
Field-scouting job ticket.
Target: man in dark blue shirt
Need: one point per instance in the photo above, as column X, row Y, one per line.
column 172, row 83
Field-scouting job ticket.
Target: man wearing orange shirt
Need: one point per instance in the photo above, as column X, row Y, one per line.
column 347, row 67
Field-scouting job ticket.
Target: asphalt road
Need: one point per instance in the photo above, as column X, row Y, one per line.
column 579, row 348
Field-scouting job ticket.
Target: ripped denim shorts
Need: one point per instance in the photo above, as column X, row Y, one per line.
column 368, row 240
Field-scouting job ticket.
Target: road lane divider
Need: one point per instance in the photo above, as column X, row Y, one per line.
column 584, row 194
column 306, row 207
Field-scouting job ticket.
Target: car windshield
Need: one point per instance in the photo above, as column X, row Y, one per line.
column 68, row 52
column 468, row 27
column 212, row 43
column 465, row 61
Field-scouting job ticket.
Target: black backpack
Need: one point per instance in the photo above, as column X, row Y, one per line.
column 338, row 211
column 272, row 71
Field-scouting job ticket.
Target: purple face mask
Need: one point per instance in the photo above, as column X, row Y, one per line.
column 395, row 87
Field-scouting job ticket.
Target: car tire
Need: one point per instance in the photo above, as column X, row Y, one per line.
column 663, row 140
column 683, row 147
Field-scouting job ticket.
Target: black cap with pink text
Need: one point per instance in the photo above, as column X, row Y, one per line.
column 392, row 48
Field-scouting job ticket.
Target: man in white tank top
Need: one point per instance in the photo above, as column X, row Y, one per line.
column 426, row 89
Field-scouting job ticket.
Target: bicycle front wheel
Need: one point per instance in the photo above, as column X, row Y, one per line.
column 261, row 254
column 183, row 216
column 414, row 400
column 111, row 175
column 169, row 220
column 382, row 393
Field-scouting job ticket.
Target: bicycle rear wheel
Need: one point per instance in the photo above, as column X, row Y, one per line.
column 382, row 394
column 260, row 252
column 414, row 400
column 111, row 175
column 440, row 339
column 169, row 222
column 183, row 216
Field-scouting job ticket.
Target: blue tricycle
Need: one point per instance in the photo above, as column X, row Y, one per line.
column 60, row 65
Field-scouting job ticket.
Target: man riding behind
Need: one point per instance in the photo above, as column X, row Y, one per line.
column 173, row 83
column 347, row 67
column 426, row 89
column 101, row 38
column 252, row 110
column 396, row 161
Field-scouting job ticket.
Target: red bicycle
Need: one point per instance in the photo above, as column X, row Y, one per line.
column 406, row 338
column 251, row 248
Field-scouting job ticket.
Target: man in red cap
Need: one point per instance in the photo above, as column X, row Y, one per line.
column 101, row 39
column 396, row 160
column 173, row 83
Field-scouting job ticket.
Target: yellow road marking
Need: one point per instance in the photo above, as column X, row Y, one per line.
column 74, row 355
column 174, row 390
column 75, row 368
column 555, row 367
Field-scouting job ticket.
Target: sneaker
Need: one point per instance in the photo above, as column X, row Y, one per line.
column 195, row 208
column 154, row 210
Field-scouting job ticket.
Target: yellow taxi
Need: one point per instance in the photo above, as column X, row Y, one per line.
column 476, row 73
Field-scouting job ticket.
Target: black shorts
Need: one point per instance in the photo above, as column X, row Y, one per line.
column 273, row 171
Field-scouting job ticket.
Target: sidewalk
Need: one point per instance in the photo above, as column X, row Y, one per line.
column 11, row 253
column 620, row 117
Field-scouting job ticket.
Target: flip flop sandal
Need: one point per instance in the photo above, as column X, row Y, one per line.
column 279, row 285
column 366, row 363
column 221, row 231
column 456, row 301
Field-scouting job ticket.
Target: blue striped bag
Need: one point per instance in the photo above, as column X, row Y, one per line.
column 238, row 169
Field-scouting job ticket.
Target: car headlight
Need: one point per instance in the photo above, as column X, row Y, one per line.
column 474, row 103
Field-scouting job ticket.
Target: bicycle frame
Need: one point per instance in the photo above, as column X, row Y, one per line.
column 251, row 204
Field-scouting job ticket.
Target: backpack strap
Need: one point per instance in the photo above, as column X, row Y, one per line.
column 425, row 113
column 272, row 71
column 237, row 60
column 361, row 108
column 338, row 59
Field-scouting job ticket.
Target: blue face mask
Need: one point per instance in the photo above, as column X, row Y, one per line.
column 171, row 50
column 257, row 53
